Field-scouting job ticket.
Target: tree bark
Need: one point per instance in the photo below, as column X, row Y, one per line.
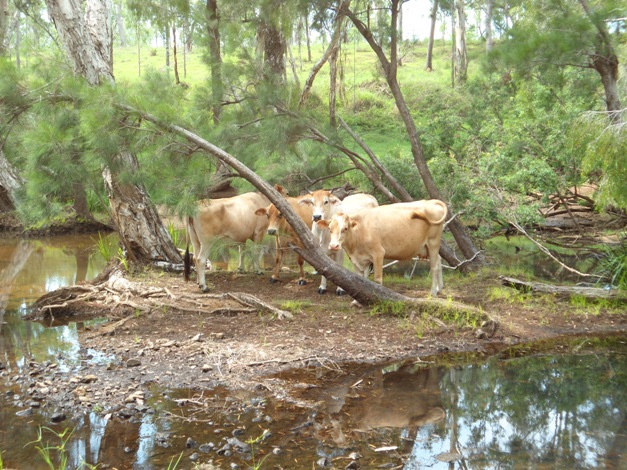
column 215, row 57
column 461, row 54
column 4, row 25
column 10, row 182
column 176, row 63
column 389, row 67
column 605, row 62
column 87, row 41
column 433, row 16
column 488, row 26
column 119, row 22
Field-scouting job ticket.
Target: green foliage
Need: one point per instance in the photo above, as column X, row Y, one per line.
column 55, row 456
column 388, row 307
column 613, row 266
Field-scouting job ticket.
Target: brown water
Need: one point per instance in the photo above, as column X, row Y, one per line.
column 533, row 407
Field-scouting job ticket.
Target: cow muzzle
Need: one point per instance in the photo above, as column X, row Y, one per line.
column 271, row 231
column 334, row 247
column 317, row 217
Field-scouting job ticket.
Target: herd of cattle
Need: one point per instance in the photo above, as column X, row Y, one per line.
column 357, row 225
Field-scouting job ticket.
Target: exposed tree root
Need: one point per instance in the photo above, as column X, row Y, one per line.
column 118, row 294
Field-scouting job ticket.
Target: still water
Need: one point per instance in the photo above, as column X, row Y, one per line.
column 562, row 405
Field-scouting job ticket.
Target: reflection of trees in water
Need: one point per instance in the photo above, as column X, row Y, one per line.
column 18, row 258
column 565, row 410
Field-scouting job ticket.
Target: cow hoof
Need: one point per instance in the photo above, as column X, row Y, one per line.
column 302, row 282
column 273, row 280
column 356, row 304
column 321, row 291
column 205, row 289
column 340, row 292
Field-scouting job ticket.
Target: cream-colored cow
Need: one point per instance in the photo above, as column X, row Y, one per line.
column 395, row 231
column 285, row 234
column 324, row 205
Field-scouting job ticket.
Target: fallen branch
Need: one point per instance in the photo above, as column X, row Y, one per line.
column 252, row 301
column 588, row 292
column 545, row 250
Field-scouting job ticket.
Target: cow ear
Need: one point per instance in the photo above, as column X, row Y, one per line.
column 334, row 200
column 323, row 223
column 261, row 211
column 354, row 223
column 307, row 201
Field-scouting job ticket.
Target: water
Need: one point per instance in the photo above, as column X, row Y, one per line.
column 541, row 406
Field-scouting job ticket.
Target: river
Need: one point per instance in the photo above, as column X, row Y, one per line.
column 558, row 405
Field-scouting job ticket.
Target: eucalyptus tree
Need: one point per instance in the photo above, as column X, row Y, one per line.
column 389, row 66
column 86, row 37
column 10, row 180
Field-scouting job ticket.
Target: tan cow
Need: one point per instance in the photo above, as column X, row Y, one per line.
column 231, row 218
column 278, row 226
column 395, row 231
column 324, row 205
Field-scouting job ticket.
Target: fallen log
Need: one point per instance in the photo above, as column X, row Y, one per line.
column 564, row 291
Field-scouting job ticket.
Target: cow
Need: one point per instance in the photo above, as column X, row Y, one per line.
column 396, row 231
column 325, row 204
column 231, row 218
column 278, row 226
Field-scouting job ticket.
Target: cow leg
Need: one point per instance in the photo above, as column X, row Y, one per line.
column 278, row 259
column 201, row 263
column 322, row 289
column 377, row 262
column 339, row 259
column 301, row 279
column 240, row 266
column 437, row 282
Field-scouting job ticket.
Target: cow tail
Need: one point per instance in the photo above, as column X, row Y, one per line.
column 186, row 259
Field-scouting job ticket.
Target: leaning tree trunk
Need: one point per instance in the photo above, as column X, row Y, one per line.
column 389, row 67
column 86, row 38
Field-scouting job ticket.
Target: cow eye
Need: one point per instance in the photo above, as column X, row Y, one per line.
column 280, row 216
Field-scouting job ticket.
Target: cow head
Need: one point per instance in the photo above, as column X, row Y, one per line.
column 340, row 227
column 275, row 218
column 323, row 203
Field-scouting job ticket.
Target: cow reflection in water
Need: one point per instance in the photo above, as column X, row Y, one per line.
column 405, row 396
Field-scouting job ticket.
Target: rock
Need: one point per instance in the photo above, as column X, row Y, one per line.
column 25, row 413
column 238, row 446
column 206, row 448
column 58, row 417
column 206, row 368
column 134, row 362
column 190, row 443
column 34, row 404
column 194, row 457
column 322, row 462
column 352, row 466
column 89, row 379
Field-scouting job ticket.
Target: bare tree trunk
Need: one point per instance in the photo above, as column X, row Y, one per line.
column 434, row 12
column 605, row 62
column 10, row 182
column 86, row 39
column 4, row 26
column 488, row 26
column 307, row 36
column 389, row 67
column 334, row 44
column 119, row 22
column 217, row 89
column 176, row 64
column 333, row 84
column 461, row 55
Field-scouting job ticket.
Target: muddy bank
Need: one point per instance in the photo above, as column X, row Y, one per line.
column 163, row 331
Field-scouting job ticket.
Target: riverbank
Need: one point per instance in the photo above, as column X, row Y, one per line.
column 154, row 335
